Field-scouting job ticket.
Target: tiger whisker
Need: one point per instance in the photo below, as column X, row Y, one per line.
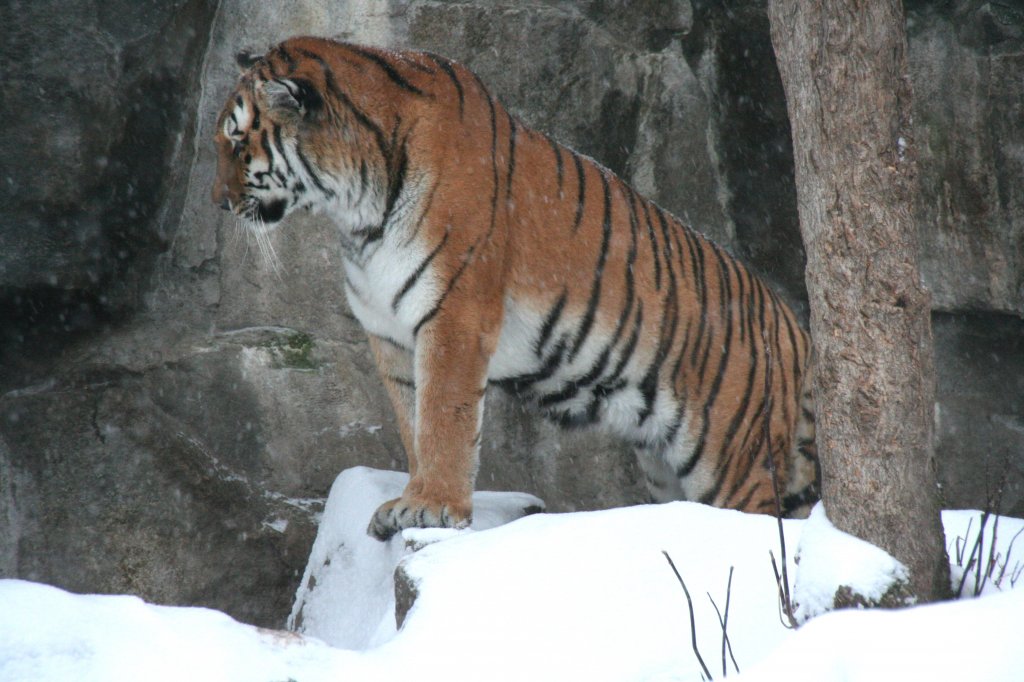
column 238, row 234
column 242, row 233
column 266, row 246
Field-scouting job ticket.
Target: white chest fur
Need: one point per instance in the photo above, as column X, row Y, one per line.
column 388, row 293
column 390, row 282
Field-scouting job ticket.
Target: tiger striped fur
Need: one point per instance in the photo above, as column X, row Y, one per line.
column 478, row 251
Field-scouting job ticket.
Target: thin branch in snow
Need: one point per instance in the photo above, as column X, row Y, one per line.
column 724, row 622
column 961, row 543
column 976, row 561
column 785, row 605
column 1006, row 563
column 693, row 622
column 990, row 566
column 995, row 503
column 975, row 554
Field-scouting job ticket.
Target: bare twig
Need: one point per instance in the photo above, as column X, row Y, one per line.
column 785, row 606
column 993, row 565
column 960, row 548
column 983, row 576
column 724, row 622
column 1006, row 562
column 975, row 552
column 995, row 504
column 693, row 622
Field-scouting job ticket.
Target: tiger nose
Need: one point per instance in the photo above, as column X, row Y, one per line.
column 225, row 204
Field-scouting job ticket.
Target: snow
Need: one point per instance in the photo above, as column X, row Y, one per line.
column 590, row 596
column 582, row 596
column 829, row 557
column 47, row 634
column 972, row 639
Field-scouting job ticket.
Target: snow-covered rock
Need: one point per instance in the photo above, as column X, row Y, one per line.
column 591, row 597
column 347, row 594
column 831, row 560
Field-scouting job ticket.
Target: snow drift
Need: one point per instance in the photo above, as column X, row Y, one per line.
column 584, row 596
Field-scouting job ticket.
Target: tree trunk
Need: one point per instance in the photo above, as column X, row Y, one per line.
column 844, row 70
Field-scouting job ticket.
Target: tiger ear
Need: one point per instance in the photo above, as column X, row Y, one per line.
column 292, row 98
column 245, row 59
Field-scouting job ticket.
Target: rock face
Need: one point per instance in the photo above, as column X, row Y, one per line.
column 173, row 408
column 100, row 104
column 972, row 168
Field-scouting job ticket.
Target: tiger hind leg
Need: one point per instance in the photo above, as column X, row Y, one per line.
column 804, row 480
column 662, row 483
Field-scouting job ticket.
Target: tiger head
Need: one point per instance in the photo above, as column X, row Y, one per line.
column 255, row 129
column 282, row 145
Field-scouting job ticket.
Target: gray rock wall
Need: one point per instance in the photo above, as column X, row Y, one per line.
column 967, row 67
column 969, row 70
column 100, row 106
column 173, row 408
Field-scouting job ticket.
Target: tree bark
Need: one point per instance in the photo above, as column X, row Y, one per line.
column 844, row 70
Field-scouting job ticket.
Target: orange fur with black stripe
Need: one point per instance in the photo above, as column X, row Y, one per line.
column 480, row 251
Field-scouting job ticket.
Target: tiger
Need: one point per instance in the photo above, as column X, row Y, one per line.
column 478, row 251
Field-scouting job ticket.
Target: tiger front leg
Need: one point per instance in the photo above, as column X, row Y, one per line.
column 451, row 372
column 395, row 366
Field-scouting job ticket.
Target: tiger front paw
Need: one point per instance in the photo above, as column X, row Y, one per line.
column 414, row 512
